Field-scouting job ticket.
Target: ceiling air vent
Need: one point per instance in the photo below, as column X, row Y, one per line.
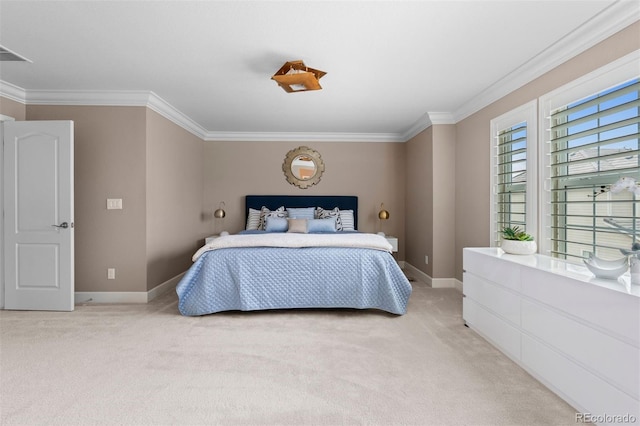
column 8, row 55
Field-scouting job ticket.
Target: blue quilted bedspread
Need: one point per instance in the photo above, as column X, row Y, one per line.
column 259, row 278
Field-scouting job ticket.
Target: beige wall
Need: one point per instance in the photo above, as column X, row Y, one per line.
column 444, row 189
column 473, row 139
column 373, row 171
column 430, row 186
column 109, row 163
column 12, row 109
column 419, row 200
column 176, row 221
column 156, row 167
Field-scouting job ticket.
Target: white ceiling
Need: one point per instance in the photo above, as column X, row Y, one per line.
column 393, row 67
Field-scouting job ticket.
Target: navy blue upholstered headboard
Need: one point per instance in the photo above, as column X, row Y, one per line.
column 328, row 202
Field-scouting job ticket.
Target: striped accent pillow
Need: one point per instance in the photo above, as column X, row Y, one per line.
column 253, row 220
column 348, row 223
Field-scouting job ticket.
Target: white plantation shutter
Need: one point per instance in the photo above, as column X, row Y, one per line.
column 594, row 142
column 511, row 176
column 513, row 171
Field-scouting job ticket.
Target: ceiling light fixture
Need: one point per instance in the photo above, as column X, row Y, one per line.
column 295, row 76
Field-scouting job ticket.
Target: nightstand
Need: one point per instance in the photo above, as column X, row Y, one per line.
column 393, row 241
column 210, row 239
column 213, row 237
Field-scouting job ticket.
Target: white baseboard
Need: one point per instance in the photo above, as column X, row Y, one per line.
column 443, row 282
column 126, row 296
column 82, row 297
column 411, row 270
column 458, row 285
column 164, row 287
column 432, row 282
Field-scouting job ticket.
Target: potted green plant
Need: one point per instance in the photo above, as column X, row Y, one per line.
column 516, row 241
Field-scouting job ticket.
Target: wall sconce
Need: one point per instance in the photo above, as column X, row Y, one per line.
column 218, row 217
column 295, row 76
column 382, row 215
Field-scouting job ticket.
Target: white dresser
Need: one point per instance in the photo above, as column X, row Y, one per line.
column 578, row 335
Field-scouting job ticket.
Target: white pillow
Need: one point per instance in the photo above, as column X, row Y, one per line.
column 253, row 220
column 348, row 223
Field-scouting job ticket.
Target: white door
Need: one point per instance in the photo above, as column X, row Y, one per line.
column 38, row 215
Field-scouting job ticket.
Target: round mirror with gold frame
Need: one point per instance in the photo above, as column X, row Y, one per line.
column 303, row 167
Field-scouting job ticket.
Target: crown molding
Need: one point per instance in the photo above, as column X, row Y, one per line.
column 425, row 121
column 314, row 137
column 441, row 118
column 608, row 22
column 88, row 97
column 13, row 92
column 143, row 98
column 418, row 126
column 162, row 107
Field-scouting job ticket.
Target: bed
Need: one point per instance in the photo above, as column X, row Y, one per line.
column 306, row 264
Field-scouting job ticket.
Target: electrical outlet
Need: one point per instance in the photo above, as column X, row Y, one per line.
column 111, row 273
column 426, row 259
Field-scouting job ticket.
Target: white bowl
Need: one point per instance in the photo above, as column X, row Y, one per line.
column 607, row 264
column 518, row 247
column 609, row 271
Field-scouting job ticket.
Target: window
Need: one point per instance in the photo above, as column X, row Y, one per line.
column 592, row 133
column 514, row 171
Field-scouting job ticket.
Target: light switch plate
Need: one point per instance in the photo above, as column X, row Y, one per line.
column 114, row 203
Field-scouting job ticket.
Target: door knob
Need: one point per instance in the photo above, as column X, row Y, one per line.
column 63, row 225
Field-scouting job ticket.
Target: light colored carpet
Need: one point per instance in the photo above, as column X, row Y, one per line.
column 146, row 364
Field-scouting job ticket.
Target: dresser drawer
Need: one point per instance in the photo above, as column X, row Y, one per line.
column 607, row 357
column 586, row 392
column 492, row 269
column 493, row 297
column 496, row 330
column 611, row 310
